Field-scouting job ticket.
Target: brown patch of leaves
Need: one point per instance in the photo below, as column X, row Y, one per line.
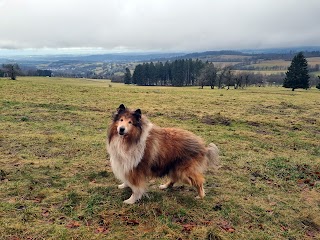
column 73, row 224
column 188, row 227
column 226, row 226
column 102, row 230
column 45, row 213
column 310, row 177
column 18, row 238
column 129, row 221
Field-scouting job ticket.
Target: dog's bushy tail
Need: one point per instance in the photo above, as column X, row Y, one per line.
column 213, row 156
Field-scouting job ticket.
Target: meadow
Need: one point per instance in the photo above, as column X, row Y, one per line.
column 56, row 181
column 267, row 67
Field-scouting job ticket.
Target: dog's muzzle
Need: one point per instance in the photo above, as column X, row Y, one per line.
column 121, row 130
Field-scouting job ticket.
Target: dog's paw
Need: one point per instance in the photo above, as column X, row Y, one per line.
column 163, row 186
column 129, row 201
column 199, row 197
column 122, row 186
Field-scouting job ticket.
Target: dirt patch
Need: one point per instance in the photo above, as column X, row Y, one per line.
column 216, row 120
column 254, row 124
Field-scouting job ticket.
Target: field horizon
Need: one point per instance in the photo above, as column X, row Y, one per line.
column 56, row 181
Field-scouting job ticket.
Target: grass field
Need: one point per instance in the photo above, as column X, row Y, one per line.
column 280, row 63
column 56, row 181
column 263, row 72
column 272, row 63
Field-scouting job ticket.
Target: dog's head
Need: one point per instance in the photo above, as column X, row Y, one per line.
column 126, row 120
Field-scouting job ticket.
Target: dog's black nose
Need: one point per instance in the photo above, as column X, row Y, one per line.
column 121, row 130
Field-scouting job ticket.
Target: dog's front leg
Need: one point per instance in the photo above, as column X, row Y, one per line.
column 137, row 193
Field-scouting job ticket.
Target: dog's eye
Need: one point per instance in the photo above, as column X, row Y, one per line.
column 121, row 120
column 130, row 122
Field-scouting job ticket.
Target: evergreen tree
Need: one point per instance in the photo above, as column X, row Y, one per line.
column 145, row 75
column 190, row 71
column 318, row 85
column 137, row 75
column 297, row 75
column 177, row 73
column 161, row 73
column 152, row 74
column 167, row 70
column 127, row 76
column 198, row 65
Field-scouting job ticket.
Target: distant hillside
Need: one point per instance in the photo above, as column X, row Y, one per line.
column 134, row 57
column 212, row 53
column 282, row 50
column 274, row 53
column 266, row 61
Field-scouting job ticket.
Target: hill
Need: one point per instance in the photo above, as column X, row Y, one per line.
column 108, row 65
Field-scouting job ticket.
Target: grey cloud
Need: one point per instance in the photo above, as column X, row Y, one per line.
column 169, row 25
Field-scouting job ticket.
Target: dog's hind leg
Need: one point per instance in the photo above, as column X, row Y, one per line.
column 169, row 184
column 197, row 182
column 200, row 190
column 173, row 179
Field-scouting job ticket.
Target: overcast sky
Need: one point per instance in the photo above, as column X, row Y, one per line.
column 158, row 25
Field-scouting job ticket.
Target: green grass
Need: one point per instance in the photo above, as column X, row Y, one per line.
column 56, row 181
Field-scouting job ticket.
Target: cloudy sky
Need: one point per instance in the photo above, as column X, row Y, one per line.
column 157, row 25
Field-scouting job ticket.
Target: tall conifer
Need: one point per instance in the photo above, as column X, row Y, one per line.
column 297, row 75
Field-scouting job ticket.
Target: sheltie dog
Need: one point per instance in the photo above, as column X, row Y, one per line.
column 140, row 150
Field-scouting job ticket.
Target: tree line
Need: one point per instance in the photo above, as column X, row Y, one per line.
column 182, row 72
column 177, row 73
column 188, row 72
column 12, row 70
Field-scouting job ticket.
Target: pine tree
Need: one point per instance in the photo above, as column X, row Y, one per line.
column 297, row 75
column 137, row 75
column 318, row 85
column 127, row 76
column 152, row 74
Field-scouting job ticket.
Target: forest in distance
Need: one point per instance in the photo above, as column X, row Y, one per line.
column 198, row 73
column 190, row 73
column 232, row 68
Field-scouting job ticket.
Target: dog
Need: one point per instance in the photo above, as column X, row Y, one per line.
column 140, row 150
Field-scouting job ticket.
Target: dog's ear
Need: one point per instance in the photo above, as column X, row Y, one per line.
column 138, row 111
column 121, row 108
column 137, row 114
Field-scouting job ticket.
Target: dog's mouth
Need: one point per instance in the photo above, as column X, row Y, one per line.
column 122, row 131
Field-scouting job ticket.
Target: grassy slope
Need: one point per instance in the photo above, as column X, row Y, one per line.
column 57, row 184
column 282, row 63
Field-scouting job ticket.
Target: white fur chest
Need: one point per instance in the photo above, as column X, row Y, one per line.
column 124, row 159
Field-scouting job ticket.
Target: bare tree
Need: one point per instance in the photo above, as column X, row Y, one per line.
column 208, row 75
column 229, row 76
column 221, row 75
column 241, row 80
column 12, row 69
